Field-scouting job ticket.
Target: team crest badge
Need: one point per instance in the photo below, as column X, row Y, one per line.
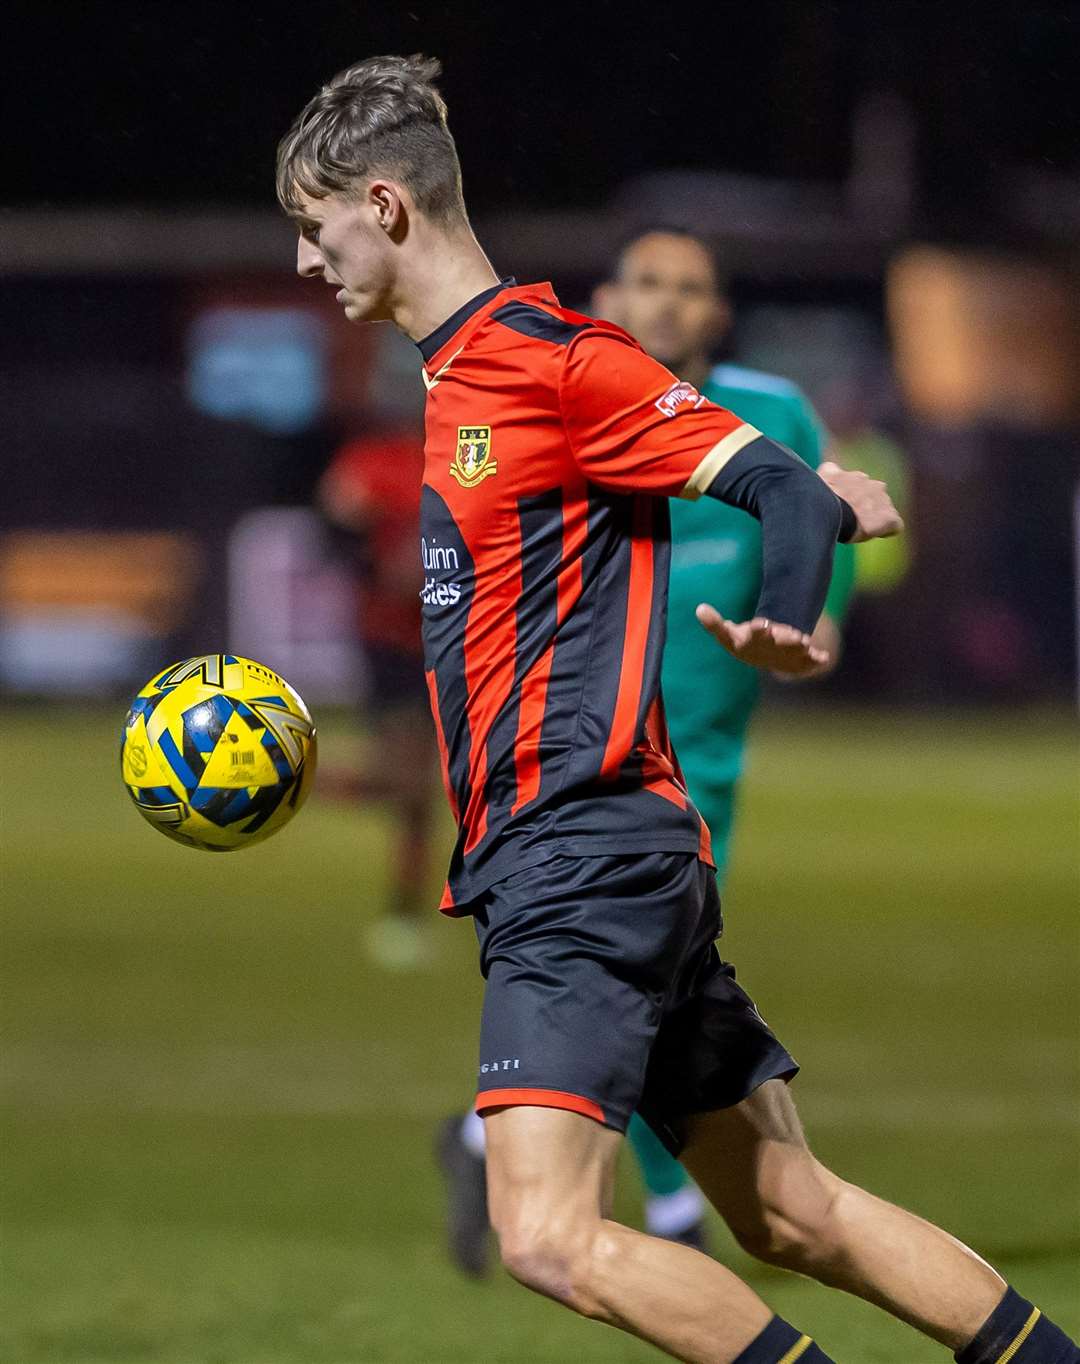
column 473, row 462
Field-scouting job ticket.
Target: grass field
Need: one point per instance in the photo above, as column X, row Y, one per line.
column 217, row 1122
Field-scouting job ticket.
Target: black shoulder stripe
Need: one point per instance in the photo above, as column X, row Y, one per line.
column 530, row 321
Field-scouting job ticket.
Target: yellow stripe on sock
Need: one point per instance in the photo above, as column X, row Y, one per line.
column 1025, row 1331
column 804, row 1342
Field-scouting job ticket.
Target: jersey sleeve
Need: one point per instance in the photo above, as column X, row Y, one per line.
column 633, row 427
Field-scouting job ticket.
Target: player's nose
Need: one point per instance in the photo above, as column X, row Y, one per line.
column 309, row 259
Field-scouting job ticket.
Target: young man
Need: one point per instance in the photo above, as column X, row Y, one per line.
column 551, row 444
column 370, row 495
column 666, row 290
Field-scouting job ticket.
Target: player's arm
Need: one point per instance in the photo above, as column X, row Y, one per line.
column 809, row 440
column 634, row 428
column 799, row 531
column 801, row 521
column 344, row 499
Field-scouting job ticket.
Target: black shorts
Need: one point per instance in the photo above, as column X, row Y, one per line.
column 605, row 994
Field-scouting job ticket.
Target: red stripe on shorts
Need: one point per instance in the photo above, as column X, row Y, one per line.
column 538, row 1098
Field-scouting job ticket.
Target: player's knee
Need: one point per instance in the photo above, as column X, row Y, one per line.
column 540, row 1261
column 550, row 1256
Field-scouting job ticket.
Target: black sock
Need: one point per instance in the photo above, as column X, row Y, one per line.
column 780, row 1343
column 1018, row 1333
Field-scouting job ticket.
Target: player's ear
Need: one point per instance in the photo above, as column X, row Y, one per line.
column 387, row 202
column 605, row 302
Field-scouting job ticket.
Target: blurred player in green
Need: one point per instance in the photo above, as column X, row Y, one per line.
column 668, row 293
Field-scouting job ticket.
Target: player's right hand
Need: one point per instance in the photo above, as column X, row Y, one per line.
column 868, row 498
column 766, row 643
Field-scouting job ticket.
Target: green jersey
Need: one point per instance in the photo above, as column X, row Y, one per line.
column 716, row 558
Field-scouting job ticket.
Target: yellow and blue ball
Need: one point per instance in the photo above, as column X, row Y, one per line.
column 218, row 752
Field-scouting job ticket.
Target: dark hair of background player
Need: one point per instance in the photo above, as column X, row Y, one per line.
column 664, row 229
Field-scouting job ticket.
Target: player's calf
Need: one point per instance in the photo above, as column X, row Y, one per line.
column 796, row 1220
column 784, row 1206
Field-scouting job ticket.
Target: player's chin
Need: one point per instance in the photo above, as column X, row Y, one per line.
column 667, row 346
column 359, row 307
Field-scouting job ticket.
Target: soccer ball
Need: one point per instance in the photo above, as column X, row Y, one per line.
column 218, row 752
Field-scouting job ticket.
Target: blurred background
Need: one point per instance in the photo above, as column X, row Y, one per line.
column 219, row 1096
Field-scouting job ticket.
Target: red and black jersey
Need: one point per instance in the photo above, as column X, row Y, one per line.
column 552, row 442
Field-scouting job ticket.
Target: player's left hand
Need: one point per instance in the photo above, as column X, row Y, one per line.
column 765, row 644
column 826, row 636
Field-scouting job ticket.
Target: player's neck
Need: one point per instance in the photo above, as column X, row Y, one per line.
column 441, row 277
column 695, row 370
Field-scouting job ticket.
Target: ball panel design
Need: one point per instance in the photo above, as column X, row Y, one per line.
column 218, row 752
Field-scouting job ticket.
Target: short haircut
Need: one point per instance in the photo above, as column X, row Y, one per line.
column 661, row 229
column 383, row 116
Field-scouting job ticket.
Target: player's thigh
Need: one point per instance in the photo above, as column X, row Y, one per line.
column 753, row 1163
column 549, row 1174
column 577, row 955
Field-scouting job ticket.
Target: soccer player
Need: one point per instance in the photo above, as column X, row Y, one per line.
column 370, row 494
column 667, row 292
column 551, row 443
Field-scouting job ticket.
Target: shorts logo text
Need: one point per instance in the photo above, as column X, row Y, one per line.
column 488, row 1066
